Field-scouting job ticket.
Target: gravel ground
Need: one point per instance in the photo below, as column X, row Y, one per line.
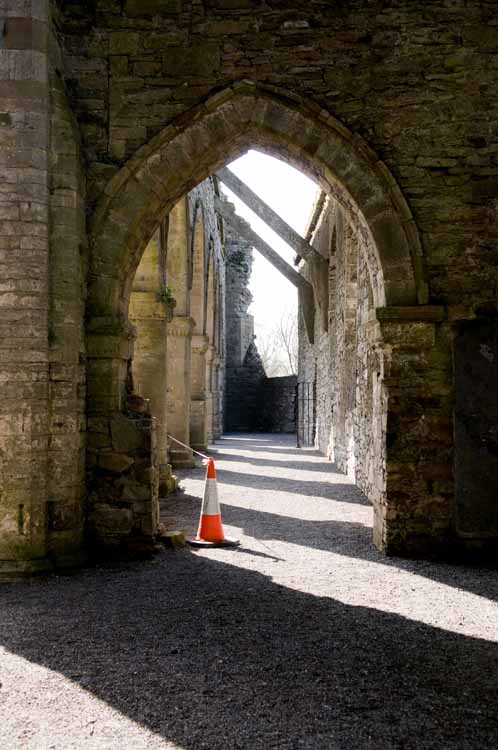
column 304, row 637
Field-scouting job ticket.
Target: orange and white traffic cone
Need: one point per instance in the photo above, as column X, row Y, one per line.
column 210, row 532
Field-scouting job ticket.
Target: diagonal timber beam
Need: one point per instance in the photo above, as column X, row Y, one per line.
column 263, row 210
column 304, row 288
column 243, row 229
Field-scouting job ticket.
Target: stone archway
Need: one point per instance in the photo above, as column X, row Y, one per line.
column 185, row 153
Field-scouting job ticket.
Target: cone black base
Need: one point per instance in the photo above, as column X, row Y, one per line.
column 203, row 543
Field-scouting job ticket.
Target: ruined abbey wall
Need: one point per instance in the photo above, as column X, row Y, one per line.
column 341, row 363
column 244, row 370
column 111, row 112
column 177, row 310
column 401, row 76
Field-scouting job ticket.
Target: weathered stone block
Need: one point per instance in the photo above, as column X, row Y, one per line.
column 123, row 43
column 127, row 435
column 62, row 516
column 111, row 521
column 201, row 60
column 409, row 335
column 172, row 538
column 115, row 462
column 134, row 491
column 137, row 8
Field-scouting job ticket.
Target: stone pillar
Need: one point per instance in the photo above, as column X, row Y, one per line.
column 123, row 508
column 150, row 318
column 198, row 431
column 178, row 394
column 415, row 515
column 217, row 397
column 209, row 358
column 24, row 297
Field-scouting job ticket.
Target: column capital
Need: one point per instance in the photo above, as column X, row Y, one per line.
column 181, row 326
column 200, row 343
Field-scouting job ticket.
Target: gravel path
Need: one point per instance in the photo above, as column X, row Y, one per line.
column 304, row 637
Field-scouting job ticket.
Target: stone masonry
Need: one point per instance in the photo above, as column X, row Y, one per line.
column 244, row 369
column 276, row 405
column 112, row 112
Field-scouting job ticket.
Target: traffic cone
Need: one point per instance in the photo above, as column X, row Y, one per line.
column 210, row 532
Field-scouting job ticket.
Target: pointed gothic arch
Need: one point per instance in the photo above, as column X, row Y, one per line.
column 190, row 149
column 243, row 116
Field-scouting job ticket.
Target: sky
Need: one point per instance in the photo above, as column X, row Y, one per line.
column 291, row 194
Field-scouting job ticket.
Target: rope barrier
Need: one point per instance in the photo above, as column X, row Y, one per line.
column 188, row 447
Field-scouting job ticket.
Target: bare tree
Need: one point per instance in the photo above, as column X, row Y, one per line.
column 287, row 338
column 278, row 345
column 268, row 350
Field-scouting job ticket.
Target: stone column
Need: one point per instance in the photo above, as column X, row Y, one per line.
column 178, row 393
column 198, row 431
column 24, row 297
column 209, row 358
column 217, row 398
column 414, row 515
column 150, row 318
column 122, row 476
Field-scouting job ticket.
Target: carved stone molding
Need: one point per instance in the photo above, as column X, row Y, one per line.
column 210, row 354
column 200, row 344
column 181, row 326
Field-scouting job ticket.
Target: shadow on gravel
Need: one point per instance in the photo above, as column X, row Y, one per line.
column 355, row 540
column 345, row 493
column 290, row 451
column 352, row 540
column 324, row 466
column 283, row 444
column 209, row 655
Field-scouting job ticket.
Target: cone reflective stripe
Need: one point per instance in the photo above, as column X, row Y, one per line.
column 210, row 531
column 210, row 527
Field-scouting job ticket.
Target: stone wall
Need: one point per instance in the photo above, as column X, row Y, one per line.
column 275, row 406
column 363, row 366
column 244, row 370
column 123, row 510
column 345, row 361
column 43, row 261
column 370, row 397
column 399, row 75
column 239, row 323
column 316, row 361
column 391, row 107
column 243, row 386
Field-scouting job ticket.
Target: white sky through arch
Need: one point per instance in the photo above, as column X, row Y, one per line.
column 291, row 194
